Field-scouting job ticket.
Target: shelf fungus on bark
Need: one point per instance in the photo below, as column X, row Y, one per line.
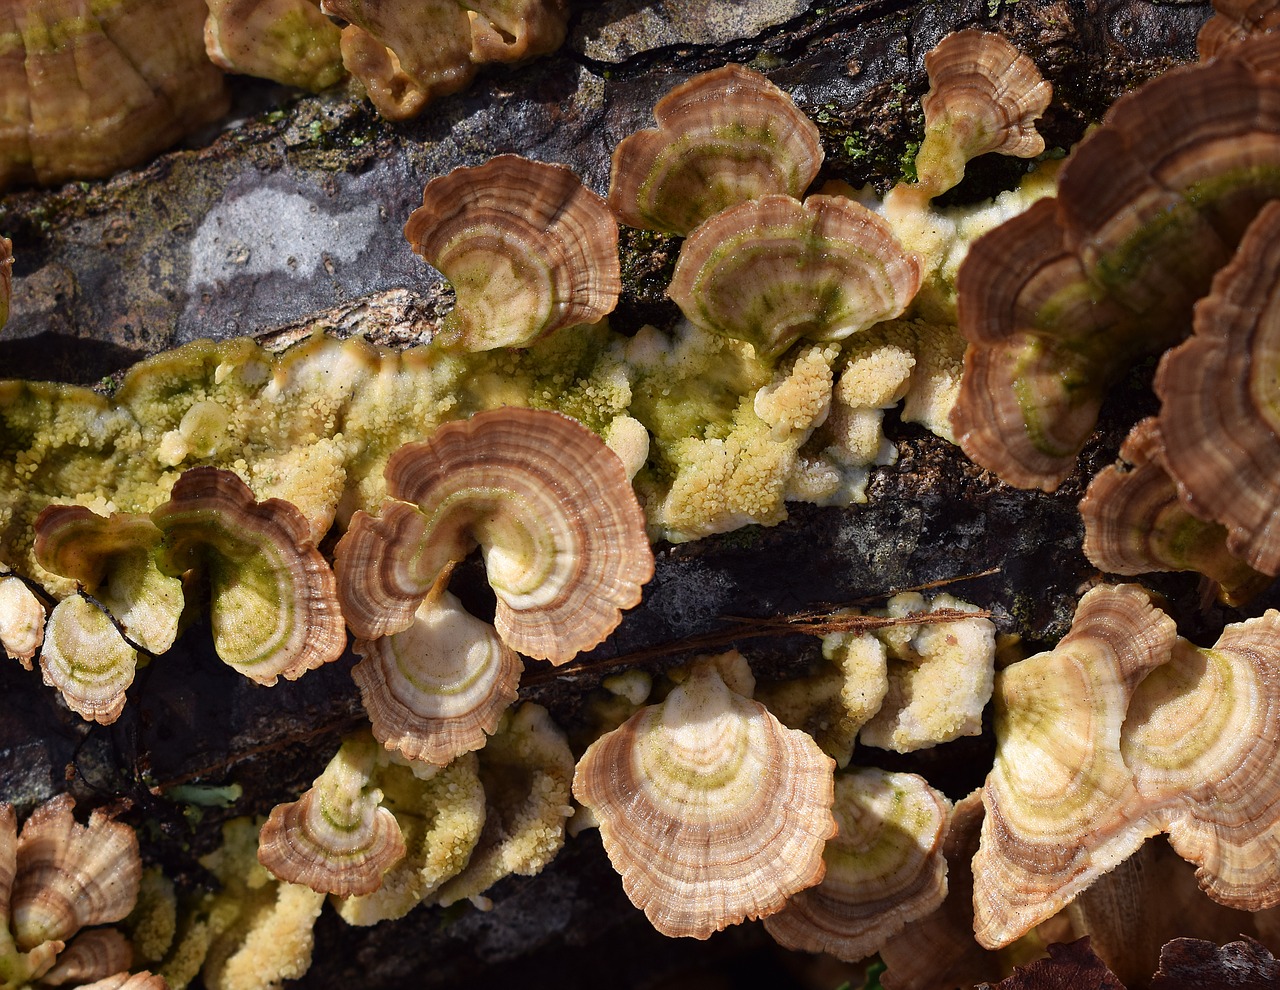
column 773, row 270
column 273, row 598
column 87, row 660
column 885, row 867
column 1061, row 805
column 1149, row 207
column 984, row 96
column 129, row 981
column 1134, row 523
column 1220, row 408
column 115, row 560
column 550, row 506
column 710, row 809
column 1234, row 21
column 336, row 838
column 1202, row 739
column 723, row 137
column 526, row 246
column 437, row 689
column 408, row 52
column 57, row 877
column 287, row 41
column 96, row 87
column 22, row 619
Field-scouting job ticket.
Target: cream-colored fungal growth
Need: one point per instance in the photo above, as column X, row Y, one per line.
column 153, row 922
column 57, row 877
column 551, row 508
column 1220, row 409
column 253, row 934
column 288, row 41
column 526, row 246
column 92, row 955
column 87, row 660
column 93, row 88
column 114, row 559
column 441, row 819
column 1061, row 805
column 1134, row 523
column 273, row 598
column 940, row 677
column 22, row 619
column 409, row 52
column 773, row 270
column 1201, row 738
column 723, row 137
column 984, row 96
column 885, row 867
column 710, row 809
column 335, row 838
column 437, row 689
column 527, row 772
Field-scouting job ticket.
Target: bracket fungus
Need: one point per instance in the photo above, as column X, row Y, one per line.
column 288, row 41
column 772, row 270
column 710, row 809
column 87, row 660
column 22, row 619
column 335, row 838
column 1105, row 273
column 551, row 508
column 526, row 246
column 885, row 867
column 724, row 137
column 58, row 877
column 96, row 87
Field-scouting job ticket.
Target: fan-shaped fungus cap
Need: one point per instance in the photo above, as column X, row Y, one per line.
column 772, row 270
column 984, row 96
column 274, row 603
column 1220, row 413
column 527, row 247
column 114, row 560
column 70, row 876
column 21, row 619
column 335, row 838
column 562, row 534
column 129, row 981
column 723, row 137
column 884, row 867
column 710, row 809
column 1061, row 804
column 1232, row 22
column 94, row 88
column 288, row 41
column 92, row 955
column 1134, row 522
column 1202, row 738
column 433, row 691
column 86, row 658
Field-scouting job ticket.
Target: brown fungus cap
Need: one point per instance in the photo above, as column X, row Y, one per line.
column 723, row 137
column 87, row 660
column 437, row 689
column 274, row 603
column 885, row 867
column 335, row 838
column 527, row 247
column 710, row 809
column 1061, row 805
column 114, row 559
column 92, row 955
column 1134, row 523
column 984, row 96
column 773, row 270
column 1149, row 206
column 93, row 87
column 1232, row 22
column 1221, row 408
column 70, row 876
column 288, row 41
column 550, row 505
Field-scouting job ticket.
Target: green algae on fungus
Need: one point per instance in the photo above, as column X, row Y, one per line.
column 287, row 41
column 87, row 660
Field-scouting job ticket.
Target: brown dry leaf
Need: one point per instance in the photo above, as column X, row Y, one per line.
column 1072, row 966
column 1192, row 964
